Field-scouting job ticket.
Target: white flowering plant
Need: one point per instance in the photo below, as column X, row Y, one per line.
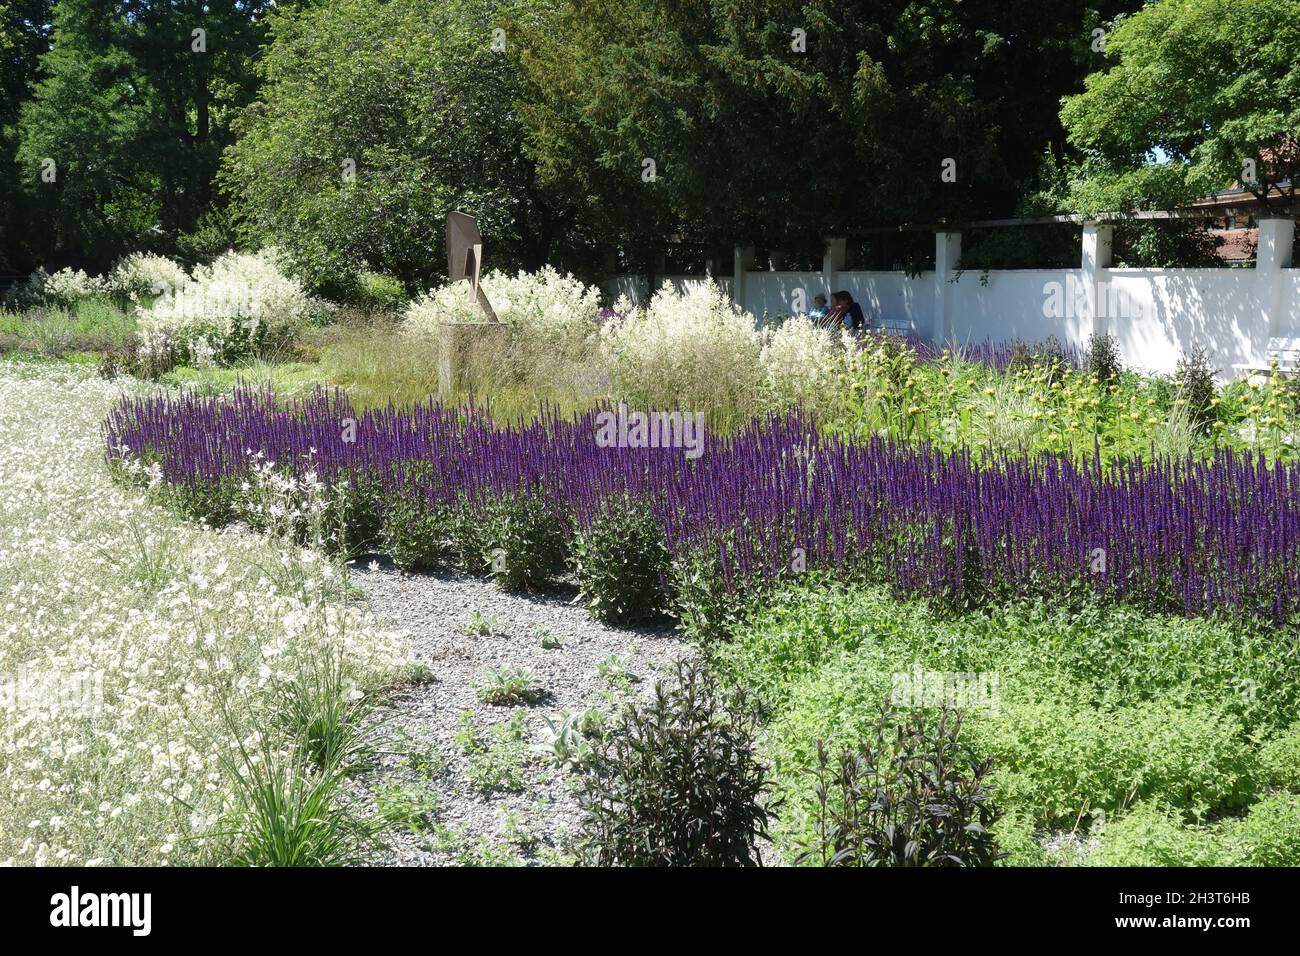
column 802, row 365
column 240, row 305
column 691, row 348
column 64, row 288
column 545, row 307
column 145, row 275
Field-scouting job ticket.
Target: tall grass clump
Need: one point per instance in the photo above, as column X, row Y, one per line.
column 802, row 364
column 377, row 363
column 286, row 812
column 549, row 356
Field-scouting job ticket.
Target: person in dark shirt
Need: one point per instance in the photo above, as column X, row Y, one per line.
column 851, row 312
column 837, row 315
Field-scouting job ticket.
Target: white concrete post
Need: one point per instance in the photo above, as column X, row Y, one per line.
column 775, row 259
column 744, row 261
column 834, row 256
column 1098, row 242
column 1273, row 254
column 947, row 256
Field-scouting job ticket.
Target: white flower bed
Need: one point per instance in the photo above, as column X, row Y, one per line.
column 123, row 629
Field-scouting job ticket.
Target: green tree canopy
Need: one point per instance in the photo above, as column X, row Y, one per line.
column 134, row 109
column 1194, row 93
column 24, row 37
column 755, row 135
column 374, row 121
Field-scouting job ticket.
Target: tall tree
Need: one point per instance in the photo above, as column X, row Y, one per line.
column 1196, row 95
column 790, row 119
column 132, row 114
column 374, row 121
column 24, row 37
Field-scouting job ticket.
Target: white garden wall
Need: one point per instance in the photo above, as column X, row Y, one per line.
column 1156, row 314
column 1008, row 305
column 1175, row 310
column 1291, row 294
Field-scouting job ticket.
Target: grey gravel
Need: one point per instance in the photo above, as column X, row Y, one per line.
column 536, row 825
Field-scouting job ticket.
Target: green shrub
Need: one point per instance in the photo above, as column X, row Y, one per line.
column 414, row 534
column 1279, row 761
column 621, row 563
column 1018, row 840
column 361, row 516
column 1196, row 388
column 1126, row 654
column 407, row 807
column 678, row 782
column 380, row 292
column 1103, row 358
column 1150, row 834
column 524, row 543
column 1098, row 708
column 798, row 629
column 707, row 609
column 1269, row 835
column 468, row 533
column 1062, row 747
column 1059, row 759
column 1110, row 654
column 912, row 795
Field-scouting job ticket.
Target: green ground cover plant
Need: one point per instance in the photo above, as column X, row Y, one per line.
column 1095, row 711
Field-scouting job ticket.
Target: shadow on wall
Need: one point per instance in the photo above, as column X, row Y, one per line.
column 1177, row 310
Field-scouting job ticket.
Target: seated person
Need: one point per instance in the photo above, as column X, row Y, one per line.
column 835, row 315
column 851, row 312
column 819, row 309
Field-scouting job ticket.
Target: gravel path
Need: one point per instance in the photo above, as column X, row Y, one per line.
column 498, row 801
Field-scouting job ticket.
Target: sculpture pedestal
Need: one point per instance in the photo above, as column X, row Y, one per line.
column 457, row 342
